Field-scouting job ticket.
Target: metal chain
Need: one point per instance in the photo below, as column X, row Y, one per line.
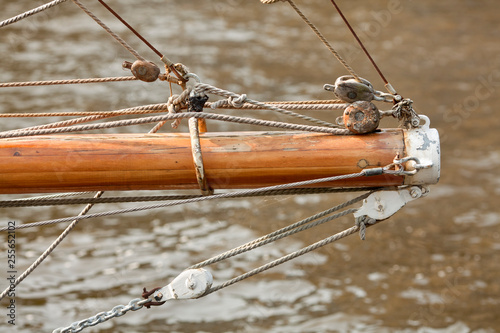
column 138, row 303
column 117, row 311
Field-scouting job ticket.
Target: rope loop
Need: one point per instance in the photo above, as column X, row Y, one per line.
column 361, row 222
column 176, row 103
column 173, row 108
column 231, row 101
column 237, row 102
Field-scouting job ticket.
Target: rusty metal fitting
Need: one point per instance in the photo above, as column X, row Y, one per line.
column 181, row 69
column 361, row 117
column 349, row 90
column 127, row 64
column 144, row 70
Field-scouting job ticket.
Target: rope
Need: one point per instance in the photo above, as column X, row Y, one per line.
column 298, row 105
column 253, row 245
column 321, row 37
column 321, row 101
column 49, row 250
column 30, row 12
column 137, row 303
column 59, row 124
column 284, row 259
column 176, row 103
column 58, row 240
column 54, row 200
column 52, row 196
column 73, row 81
column 363, row 222
column 143, row 109
column 284, row 232
column 387, row 84
column 146, row 120
column 206, row 88
column 193, row 200
column 109, row 31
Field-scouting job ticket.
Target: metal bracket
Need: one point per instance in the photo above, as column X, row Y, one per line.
column 383, row 204
column 191, row 283
column 422, row 144
column 198, row 158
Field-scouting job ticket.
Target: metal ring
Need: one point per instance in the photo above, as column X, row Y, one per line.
column 197, row 157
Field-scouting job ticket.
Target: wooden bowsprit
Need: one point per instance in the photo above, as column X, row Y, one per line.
column 104, row 162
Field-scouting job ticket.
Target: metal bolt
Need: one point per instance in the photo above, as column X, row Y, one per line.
column 359, row 116
column 158, row 296
column 415, row 193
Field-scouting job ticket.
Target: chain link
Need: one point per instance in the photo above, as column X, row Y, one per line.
column 117, row 311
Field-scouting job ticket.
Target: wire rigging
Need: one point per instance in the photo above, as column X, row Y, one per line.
column 387, row 84
column 324, row 40
column 30, row 12
column 233, row 101
column 169, row 64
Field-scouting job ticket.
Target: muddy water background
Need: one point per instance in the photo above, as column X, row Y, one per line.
column 433, row 267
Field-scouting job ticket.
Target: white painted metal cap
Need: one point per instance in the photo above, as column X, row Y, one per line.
column 423, row 144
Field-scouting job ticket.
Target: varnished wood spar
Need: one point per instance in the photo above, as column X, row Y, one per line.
column 84, row 162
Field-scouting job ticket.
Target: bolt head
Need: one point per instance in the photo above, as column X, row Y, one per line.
column 415, row 194
column 158, row 297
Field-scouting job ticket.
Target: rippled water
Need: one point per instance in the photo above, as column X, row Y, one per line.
column 433, row 267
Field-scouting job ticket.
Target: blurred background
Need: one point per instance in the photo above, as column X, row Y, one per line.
column 433, row 267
